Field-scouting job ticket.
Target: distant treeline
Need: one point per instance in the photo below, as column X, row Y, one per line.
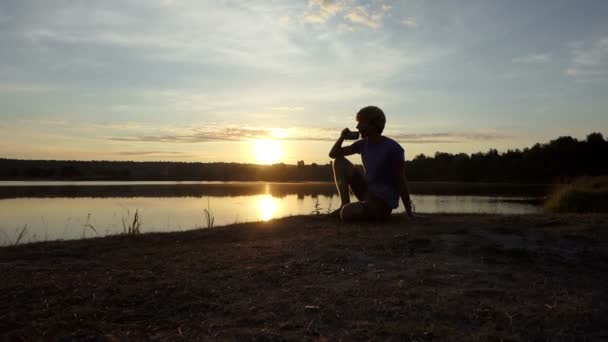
column 11, row 169
column 559, row 160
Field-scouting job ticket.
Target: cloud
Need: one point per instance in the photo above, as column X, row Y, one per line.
column 590, row 63
column 201, row 135
column 511, row 75
column 45, row 122
column 445, row 137
column 145, row 153
column 90, row 126
column 288, row 109
column 153, row 155
column 359, row 15
column 197, row 56
column 409, row 22
column 284, row 20
column 533, row 59
column 326, row 10
column 175, row 36
column 210, row 134
column 343, row 28
column 25, row 88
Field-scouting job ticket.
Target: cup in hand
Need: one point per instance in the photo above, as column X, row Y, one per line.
column 350, row 135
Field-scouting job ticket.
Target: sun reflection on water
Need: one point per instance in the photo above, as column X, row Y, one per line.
column 267, row 206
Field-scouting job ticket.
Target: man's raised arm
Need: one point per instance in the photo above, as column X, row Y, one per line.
column 337, row 150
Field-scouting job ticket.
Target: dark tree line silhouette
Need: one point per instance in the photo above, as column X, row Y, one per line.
column 559, row 160
column 12, row 169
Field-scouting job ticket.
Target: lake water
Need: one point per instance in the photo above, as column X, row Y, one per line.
column 69, row 210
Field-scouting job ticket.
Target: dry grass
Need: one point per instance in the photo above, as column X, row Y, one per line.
column 19, row 236
column 87, row 224
column 316, row 207
column 208, row 218
column 132, row 226
column 588, row 194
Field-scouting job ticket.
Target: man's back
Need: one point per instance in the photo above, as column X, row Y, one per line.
column 378, row 160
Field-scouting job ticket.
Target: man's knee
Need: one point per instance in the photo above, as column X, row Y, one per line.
column 343, row 166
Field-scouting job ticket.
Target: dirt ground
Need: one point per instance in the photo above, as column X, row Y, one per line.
column 439, row 278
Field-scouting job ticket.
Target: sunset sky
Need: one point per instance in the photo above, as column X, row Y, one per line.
column 267, row 81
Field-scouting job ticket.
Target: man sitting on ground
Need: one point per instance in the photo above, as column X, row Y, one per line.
column 384, row 182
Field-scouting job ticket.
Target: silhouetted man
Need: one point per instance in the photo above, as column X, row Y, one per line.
column 383, row 159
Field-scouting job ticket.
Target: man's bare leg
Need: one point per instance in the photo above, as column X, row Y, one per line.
column 345, row 176
column 372, row 208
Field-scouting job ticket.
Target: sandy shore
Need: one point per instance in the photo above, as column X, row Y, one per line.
column 442, row 277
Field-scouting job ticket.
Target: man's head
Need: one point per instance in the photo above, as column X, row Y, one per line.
column 371, row 121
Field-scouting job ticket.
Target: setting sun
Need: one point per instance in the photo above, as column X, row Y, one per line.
column 267, row 151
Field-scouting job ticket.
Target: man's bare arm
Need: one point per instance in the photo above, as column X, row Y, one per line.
column 404, row 191
column 338, row 151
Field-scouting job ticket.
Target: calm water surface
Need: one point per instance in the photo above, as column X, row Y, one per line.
column 69, row 210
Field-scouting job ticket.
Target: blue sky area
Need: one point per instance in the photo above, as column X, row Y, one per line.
column 207, row 80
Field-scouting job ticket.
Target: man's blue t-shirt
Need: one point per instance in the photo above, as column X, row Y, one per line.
column 379, row 160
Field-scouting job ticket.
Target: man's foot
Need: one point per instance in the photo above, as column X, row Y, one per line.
column 335, row 213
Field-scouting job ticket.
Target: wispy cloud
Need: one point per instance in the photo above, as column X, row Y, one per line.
column 284, row 20
column 226, row 42
column 209, row 134
column 288, row 109
column 197, row 56
column 145, row 153
column 538, row 58
column 409, row 22
column 89, row 126
column 43, row 122
column 344, row 28
column 590, row 62
column 25, row 88
column 323, row 10
column 361, row 16
column 446, row 137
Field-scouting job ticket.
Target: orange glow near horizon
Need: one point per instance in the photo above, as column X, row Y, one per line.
column 267, row 151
